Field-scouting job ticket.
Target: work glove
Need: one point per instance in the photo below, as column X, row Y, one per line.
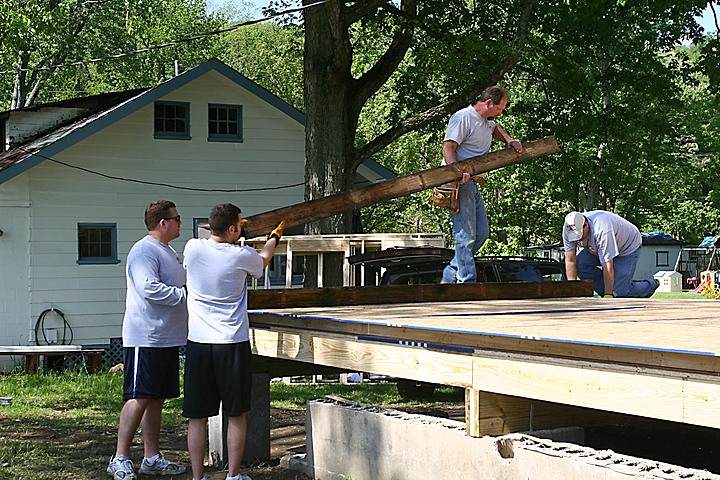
column 277, row 233
column 243, row 230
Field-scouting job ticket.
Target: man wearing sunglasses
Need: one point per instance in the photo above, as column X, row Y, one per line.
column 470, row 133
column 154, row 327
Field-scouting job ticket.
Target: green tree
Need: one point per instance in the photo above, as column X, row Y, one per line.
column 271, row 55
column 42, row 36
column 445, row 39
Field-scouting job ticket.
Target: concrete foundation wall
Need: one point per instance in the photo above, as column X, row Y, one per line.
column 369, row 443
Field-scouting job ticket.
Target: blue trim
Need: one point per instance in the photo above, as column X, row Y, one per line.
column 406, row 343
column 382, row 171
column 169, row 135
column 113, row 258
column 147, row 98
column 226, row 137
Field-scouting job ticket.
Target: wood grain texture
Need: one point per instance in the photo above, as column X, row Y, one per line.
column 320, row 208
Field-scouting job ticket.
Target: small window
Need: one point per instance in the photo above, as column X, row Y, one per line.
column 172, row 120
column 201, row 228
column 662, row 258
column 225, row 123
column 97, row 243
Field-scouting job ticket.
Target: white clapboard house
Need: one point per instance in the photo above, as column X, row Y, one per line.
column 76, row 176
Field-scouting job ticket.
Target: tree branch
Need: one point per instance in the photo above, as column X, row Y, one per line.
column 375, row 77
column 419, row 121
column 360, row 9
column 463, row 99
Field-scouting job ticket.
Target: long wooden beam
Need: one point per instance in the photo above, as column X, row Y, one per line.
column 391, row 294
column 312, row 211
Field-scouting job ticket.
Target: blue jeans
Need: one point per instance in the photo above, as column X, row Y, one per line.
column 589, row 268
column 471, row 230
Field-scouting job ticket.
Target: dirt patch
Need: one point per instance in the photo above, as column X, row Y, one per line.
column 287, row 436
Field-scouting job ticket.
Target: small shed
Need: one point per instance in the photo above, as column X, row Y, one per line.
column 659, row 253
column 670, row 281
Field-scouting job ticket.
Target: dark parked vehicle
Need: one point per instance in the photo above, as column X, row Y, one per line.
column 424, row 265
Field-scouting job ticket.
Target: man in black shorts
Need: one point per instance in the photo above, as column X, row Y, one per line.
column 217, row 362
column 154, row 326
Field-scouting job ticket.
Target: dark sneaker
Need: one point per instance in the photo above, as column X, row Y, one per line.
column 161, row 466
column 121, row 468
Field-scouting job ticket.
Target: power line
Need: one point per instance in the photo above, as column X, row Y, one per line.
column 159, row 184
column 165, row 45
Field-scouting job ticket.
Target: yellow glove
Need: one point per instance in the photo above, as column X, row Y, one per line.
column 243, row 230
column 277, row 233
column 609, row 296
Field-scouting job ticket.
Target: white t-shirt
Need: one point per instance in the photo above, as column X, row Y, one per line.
column 610, row 236
column 155, row 313
column 471, row 131
column 217, row 290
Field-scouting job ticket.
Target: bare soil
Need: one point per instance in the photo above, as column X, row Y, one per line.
column 683, row 445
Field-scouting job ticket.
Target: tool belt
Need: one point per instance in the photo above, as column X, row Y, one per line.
column 446, row 196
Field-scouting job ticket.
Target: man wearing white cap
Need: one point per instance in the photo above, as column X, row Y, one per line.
column 610, row 250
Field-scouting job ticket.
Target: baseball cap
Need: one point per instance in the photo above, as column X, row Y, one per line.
column 574, row 223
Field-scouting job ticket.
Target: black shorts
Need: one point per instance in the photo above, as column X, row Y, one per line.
column 151, row 372
column 216, row 373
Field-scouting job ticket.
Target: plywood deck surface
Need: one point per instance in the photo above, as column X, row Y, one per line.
column 677, row 326
column 653, row 358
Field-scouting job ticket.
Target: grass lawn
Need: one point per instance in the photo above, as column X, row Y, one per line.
column 64, row 425
column 685, row 294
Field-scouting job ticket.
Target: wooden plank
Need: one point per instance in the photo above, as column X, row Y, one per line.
column 674, row 334
column 492, row 414
column 634, row 391
column 394, row 294
column 353, row 355
column 320, row 208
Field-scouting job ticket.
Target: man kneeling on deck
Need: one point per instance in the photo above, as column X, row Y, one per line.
column 610, row 250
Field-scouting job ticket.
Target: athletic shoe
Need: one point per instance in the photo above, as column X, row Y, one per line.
column 121, row 468
column 161, row 466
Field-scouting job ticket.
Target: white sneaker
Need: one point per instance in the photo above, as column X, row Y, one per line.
column 161, row 466
column 121, row 468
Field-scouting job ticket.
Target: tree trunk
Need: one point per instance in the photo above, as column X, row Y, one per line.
column 330, row 115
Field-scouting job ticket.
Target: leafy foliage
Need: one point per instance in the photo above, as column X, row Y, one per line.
column 47, row 35
column 634, row 112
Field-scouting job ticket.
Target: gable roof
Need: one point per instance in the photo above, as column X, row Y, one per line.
column 24, row 157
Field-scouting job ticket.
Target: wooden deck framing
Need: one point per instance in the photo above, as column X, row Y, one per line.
column 652, row 358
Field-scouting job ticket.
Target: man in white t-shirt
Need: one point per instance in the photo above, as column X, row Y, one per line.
column 217, row 362
column 610, row 248
column 470, row 133
column 154, row 327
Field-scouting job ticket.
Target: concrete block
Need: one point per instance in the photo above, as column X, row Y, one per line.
column 363, row 442
column 257, row 446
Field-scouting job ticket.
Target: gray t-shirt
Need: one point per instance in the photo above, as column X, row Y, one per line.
column 217, row 290
column 610, row 236
column 471, row 131
column 155, row 311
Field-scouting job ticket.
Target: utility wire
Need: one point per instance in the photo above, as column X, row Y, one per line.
column 159, row 184
column 165, row 45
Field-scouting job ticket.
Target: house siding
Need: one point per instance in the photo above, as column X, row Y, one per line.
column 92, row 297
column 647, row 266
column 25, row 124
column 14, row 275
